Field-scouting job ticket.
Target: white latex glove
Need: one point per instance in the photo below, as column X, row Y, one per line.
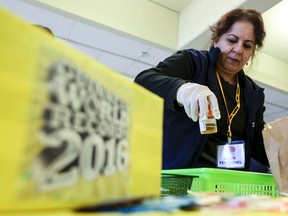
column 197, row 99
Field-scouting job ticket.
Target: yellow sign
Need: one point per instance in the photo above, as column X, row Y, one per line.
column 73, row 133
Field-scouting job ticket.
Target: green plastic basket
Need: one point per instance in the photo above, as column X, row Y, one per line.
column 231, row 181
column 175, row 184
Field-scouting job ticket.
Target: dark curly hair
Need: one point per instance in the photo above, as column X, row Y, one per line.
column 240, row 14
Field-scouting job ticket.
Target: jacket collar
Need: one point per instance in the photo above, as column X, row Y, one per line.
column 214, row 53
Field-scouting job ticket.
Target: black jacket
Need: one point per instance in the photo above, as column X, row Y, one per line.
column 182, row 141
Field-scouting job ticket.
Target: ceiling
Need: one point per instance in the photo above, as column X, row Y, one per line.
column 130, row 55
column 176, row 6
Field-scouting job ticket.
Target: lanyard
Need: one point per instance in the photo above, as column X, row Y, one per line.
column 235, row 110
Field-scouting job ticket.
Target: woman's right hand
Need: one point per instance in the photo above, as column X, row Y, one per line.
column 197, row 99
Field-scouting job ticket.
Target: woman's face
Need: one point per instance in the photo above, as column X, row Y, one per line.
column 237, row 46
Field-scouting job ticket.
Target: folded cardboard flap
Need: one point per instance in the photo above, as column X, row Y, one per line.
column 73, row 133
column 275, row 136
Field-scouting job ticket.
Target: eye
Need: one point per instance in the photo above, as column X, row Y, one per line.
column 232, row 41
column 248, row 45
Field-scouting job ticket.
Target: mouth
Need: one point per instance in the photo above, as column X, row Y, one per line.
column 234, row 60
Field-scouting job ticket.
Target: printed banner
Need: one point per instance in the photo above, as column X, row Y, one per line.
column 73, row 132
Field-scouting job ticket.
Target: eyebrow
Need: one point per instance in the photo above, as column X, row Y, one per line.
column 238, row 38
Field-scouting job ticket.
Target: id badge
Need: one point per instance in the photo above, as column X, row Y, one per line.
column 231, row 155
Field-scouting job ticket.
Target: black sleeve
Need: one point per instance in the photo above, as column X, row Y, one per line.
column 167, row 77
column 258, row 150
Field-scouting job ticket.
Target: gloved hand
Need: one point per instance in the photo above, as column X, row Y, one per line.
column 197, row 99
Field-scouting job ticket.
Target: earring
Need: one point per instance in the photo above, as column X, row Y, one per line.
column 250, row 59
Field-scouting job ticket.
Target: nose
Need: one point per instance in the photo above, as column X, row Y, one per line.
column 238, row 48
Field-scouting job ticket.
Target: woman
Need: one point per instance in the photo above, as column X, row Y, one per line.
column 194, row 82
